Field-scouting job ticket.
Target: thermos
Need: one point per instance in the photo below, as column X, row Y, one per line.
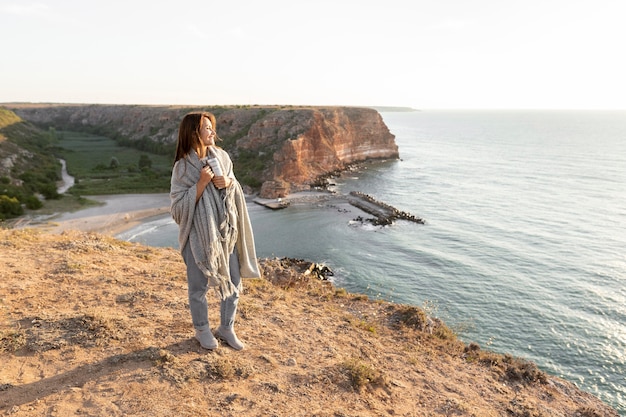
column 212, row 161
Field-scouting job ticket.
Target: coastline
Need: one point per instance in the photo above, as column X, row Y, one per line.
column 118, row 213
column 121, row 212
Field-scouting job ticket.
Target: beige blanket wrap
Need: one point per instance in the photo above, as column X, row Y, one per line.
column 216, row 225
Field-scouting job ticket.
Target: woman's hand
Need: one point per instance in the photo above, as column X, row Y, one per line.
column 206, row 175
column 222, row 182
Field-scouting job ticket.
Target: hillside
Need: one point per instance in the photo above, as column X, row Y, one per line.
column 90, row 325
column 28, row 171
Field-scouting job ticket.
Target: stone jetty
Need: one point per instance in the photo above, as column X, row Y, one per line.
column 384, row 213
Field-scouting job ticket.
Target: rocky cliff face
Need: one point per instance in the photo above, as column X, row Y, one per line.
column 314, row 142
column 297, row 145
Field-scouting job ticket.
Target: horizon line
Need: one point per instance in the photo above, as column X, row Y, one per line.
column 409, row 108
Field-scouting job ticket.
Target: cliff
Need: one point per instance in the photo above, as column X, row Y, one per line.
column 277, row 149
column 316, row 142
column 91, row 325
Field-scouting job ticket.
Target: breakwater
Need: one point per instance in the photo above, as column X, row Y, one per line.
column 384, row 213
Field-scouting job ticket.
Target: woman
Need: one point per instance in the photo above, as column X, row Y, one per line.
column 215, row 234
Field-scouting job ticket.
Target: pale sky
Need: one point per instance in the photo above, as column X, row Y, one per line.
column 425, row 54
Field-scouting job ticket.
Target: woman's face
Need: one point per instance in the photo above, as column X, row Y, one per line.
column 207, row 134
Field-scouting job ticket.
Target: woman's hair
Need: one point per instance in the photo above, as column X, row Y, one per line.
column 189, row 132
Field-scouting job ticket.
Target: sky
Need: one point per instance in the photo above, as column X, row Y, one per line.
column 434, row 54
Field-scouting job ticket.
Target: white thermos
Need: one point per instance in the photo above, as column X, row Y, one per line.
column 215, row 166
column 214, row 163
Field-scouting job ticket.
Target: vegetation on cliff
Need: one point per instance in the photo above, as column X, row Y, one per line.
column 30, row 170
column 91, row 325
column 27, row 169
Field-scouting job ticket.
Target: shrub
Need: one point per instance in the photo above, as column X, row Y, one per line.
column 221, row 368
column 144, row 162
column 412, row 317
column 521, row 370
column 33, row 203
column 361, row 374
column 49, row 191
column 12, row 341
column 10, row 207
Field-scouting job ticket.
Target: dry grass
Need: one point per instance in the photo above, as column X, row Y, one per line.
column 90, row 325
column 361, row 374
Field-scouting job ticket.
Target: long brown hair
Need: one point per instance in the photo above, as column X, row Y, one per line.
column 189, row 132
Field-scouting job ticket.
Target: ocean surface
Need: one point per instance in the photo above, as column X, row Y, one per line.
column 524, row 246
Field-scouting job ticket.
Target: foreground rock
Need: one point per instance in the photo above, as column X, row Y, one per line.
column 90, row 325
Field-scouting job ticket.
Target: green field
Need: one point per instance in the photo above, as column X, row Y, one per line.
column 100, row 166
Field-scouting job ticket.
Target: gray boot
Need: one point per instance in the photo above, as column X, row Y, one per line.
column 226, row 332
column 206, row 338
column 228, row 335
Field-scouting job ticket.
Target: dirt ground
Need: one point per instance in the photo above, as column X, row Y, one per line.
column 94, row 326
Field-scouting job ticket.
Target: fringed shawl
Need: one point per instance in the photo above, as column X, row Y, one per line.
column 216, row 225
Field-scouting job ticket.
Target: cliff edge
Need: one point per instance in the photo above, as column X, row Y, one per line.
column 91, row 325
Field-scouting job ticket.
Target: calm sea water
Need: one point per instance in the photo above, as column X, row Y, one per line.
column 524, row 246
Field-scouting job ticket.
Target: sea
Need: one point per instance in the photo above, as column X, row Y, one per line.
column 523, row 250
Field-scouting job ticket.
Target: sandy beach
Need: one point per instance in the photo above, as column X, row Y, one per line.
column 117, row 213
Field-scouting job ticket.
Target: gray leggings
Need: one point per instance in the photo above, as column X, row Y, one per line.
column 197, row 285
